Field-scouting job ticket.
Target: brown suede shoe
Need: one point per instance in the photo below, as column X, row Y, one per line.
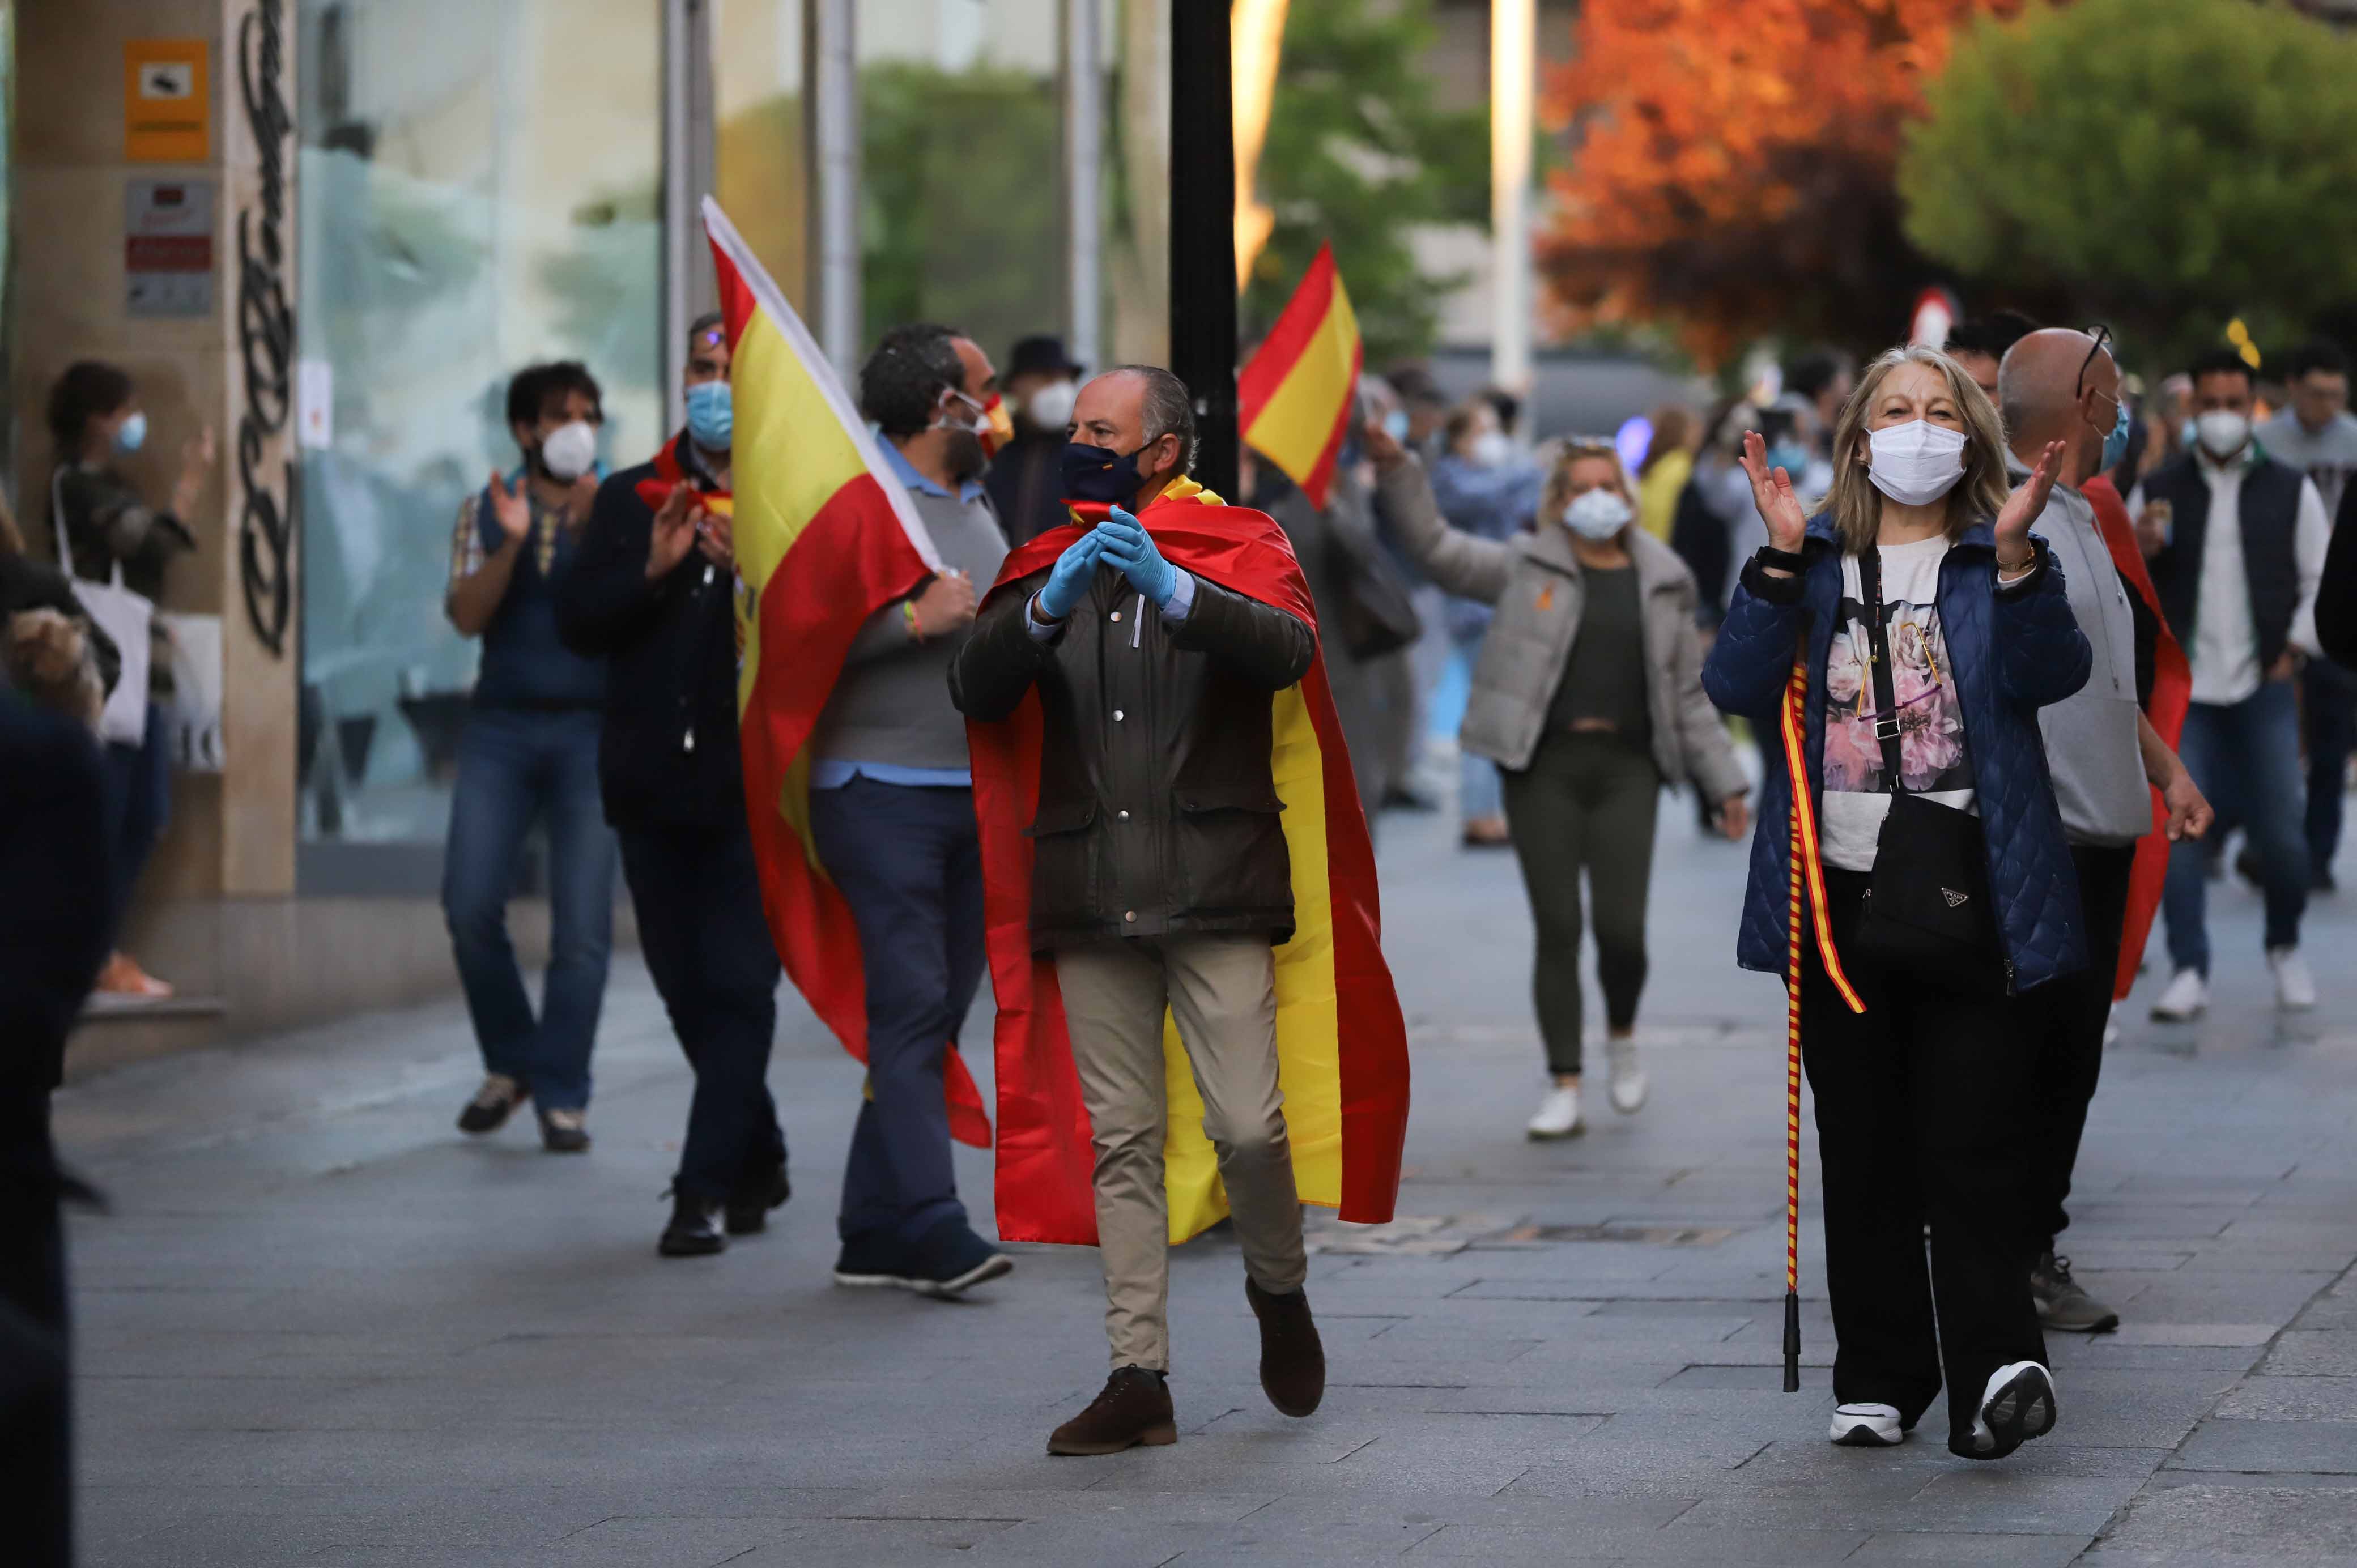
column 1133, row 1411
column 1292, row 1358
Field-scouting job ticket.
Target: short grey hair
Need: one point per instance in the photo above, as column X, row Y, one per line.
column 1168, row 410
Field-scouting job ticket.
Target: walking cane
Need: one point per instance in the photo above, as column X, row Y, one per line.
column 1806, row 881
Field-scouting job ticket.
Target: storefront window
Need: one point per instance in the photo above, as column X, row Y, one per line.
column 481, row 189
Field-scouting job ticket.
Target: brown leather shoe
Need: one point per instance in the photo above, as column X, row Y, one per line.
column 1133, row 1411
column 1292, row 1358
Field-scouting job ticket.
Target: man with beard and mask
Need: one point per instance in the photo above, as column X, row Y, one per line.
column 1025, row 481
column 653, row 592
column 528, row 757
column 1129, row 685
column 2236, row 542
column 891, row 815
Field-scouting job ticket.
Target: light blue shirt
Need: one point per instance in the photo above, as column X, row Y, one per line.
column 834, row 773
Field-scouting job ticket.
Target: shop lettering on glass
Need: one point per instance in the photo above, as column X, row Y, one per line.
column 265, row 324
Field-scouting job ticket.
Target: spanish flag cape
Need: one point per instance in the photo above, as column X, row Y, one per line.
column 1341, row 1044
column 2172, row 692
column 822, row 542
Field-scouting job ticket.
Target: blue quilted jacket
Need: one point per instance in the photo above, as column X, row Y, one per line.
column 2012, row 653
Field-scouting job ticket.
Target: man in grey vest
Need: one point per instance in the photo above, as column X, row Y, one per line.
column 2316, row 435
column 2237, row 544
column 2060, row 386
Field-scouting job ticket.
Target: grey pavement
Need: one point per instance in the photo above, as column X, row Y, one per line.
column 321, row 1328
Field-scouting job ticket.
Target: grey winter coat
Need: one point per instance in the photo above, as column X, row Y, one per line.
column 1535, row 581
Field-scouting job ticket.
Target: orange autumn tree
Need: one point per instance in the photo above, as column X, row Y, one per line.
column 1731, row 166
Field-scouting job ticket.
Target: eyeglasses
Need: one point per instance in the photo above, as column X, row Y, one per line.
column 2102, row 335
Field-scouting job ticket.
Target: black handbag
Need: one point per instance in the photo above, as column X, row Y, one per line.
column 1927, row 913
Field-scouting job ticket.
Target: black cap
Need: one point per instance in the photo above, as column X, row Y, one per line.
column 1043, row 351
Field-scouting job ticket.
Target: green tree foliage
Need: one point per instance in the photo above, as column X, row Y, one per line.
column 960, row 215
column 1358, row 153
column 2164, row 164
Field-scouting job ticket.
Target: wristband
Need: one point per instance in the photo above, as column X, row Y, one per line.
column 908, row 613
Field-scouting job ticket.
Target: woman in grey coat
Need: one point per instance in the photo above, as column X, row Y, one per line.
column 1589, row 697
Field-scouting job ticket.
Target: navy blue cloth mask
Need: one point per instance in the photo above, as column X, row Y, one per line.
column 1100, row 474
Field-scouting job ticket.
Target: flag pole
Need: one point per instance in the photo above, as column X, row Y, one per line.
column 1203, row 231
column 1795, row 694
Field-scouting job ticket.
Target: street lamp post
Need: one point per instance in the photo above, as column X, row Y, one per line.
column 1203, row 232
column 1513, row 49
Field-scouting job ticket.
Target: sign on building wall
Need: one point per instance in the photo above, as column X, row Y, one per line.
column 167, row 247
column 167, row 114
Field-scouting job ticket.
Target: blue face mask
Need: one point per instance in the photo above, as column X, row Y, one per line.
column 1396, row 425
column 1099, row 474
column 133, row 434
column 1791, row 456
column 711, row 415
column 2115, row 443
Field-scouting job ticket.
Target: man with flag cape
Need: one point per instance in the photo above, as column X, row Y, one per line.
column 854, row 804
column 1183, row 924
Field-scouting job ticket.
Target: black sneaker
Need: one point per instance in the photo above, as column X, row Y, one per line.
column 951, row 1260
column 564, row 1132
column 872, row 1263
column 748, row 1206
column 2062, row 1302
column 694, row 1230
column 493, row 1104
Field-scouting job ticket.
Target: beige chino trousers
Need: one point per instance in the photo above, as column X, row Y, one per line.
column 1222, row 991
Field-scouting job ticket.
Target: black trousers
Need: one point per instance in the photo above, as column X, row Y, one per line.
column 2068, row 1017
column 35, row 1393
column 707, row 945
column 1921, row 1122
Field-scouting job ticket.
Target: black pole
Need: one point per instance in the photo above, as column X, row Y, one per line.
column 1203, row 231
column 1792, row 1341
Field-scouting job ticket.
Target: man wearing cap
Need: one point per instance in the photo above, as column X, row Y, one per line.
column 1025, row 483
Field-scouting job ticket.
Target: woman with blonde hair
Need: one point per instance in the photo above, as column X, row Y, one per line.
column 1912, row 629
column 1588, row 698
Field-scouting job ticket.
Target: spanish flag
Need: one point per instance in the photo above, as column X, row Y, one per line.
column 1341, row 1044
column 822, row 542
column 1293, row 402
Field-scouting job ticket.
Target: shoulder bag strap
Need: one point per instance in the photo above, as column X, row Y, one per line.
column 65, row 545
column 1878, row 648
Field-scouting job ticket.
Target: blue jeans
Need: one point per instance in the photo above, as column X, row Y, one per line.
column 909, row 861
column 698, row 895
column 138, row 782
column 2245, row 757
column 2330, row 693
column 517, row 768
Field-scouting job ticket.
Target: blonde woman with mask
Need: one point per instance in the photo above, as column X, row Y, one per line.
column 1588, row 698
column 1928, row 626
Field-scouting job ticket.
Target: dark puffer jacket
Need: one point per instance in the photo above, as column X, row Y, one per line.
column 1158, row 813
column 2012, row 653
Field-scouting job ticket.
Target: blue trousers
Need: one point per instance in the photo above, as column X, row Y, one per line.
column 517, row 768
column 707, row 944
column 909, row 861
column 2329, row 693
column 2245, row 757
column 138, row 781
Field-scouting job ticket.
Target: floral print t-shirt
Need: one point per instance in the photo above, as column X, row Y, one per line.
column 1931, row 730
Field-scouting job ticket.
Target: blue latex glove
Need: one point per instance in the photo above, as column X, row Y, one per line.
column 1070, row 578
column 1130, row 550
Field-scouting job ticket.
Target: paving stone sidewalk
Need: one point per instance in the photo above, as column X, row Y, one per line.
column 320, row 1328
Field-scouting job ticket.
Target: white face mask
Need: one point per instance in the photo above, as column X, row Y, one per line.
column 2223, row 431
column 1050, row 408
column 1916, row 463
column 1597, row 514
column 1491, row 448
column 569, row 451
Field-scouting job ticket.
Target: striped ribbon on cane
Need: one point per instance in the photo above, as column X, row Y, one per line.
column 1807, row 881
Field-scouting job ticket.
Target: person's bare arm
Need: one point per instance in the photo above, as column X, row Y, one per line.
column 2188, row 811
column 474, row 596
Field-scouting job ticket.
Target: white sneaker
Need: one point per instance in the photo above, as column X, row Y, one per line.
column 2187, row 998
column 2294, row 986
column 1558, row 1114
column 2017, row 1405
column 1867, row 1426
column 2112, row 1027
column 1628, row 1083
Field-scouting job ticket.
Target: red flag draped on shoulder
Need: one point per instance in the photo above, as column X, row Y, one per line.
column 1342, row 1043
column 2173, row 691
column 822, row 544
column 1293, row 401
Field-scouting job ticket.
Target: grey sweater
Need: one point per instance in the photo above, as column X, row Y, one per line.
column 891, row 704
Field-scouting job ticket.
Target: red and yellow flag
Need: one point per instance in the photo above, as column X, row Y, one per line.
column 1341, row 1044
column 1293, row 401
column 822, row 541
